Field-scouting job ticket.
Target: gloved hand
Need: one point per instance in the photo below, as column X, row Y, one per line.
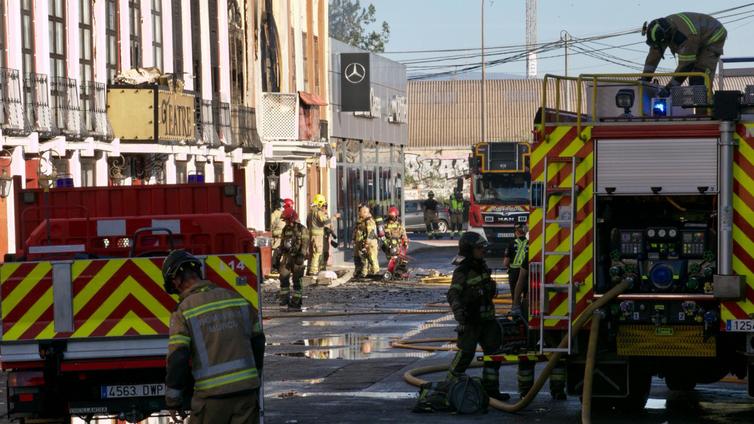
column 334, row 244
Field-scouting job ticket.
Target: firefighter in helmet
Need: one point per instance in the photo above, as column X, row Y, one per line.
column 225, row 358
column 516, row 257
column 365, row 244
column 293, row 248
column 457, row 206
column 431, row 220
column 470, row 297
column 395, row 233
column 319, row 227
column 696, row 39
column 277, row 224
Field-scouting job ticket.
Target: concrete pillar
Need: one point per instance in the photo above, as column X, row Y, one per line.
column 72, row 46
column 125, row 35
column 167, row 36
column 74, row 167
column 147, row 54
column 188, row 76
column 170, row 170
column 99, row 20
column 255, row 194
column 13, row 45
column 101, row 170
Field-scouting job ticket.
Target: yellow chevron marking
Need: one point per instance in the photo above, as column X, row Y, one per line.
column 47, row 333
column 152, row 271
column 7, row 269
column 30, row 317
column 229, row 275
column 129, row 321
column 94, row 285
column 251, row 262
column 545, row 147
column 78, row 267
column 27, row 284
column 129, row 286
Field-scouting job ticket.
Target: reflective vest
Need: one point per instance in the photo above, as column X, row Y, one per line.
column 522, row 248
column 456, row 205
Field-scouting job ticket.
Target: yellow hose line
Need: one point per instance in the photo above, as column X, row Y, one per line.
column 591, row 359
column 353, row 313
column 411, row 376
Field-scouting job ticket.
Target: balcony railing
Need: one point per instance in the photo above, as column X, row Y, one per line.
column 37, row 103
column 94, row 111
column 244, row 128
column 66, row 107
column 205, row 128
column 11, row 101
column 221, row 117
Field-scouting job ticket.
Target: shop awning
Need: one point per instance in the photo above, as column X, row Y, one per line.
column 311, row 99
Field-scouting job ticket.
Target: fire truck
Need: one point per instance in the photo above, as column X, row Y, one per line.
column 84, row 314
column 499, row 195
column 655, row 195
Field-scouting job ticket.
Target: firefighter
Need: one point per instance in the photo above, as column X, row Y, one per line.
column 216, row 336
column 430, row 215
column 696, row 39
column 457, row 205
column 470, row 297
column 516, row 257
column 395, row 233
column 277, row 224
column 293, row 248
column 365, row 244
column 318, row 224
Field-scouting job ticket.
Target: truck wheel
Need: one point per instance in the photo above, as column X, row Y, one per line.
column 680, row 383
column 442, row 226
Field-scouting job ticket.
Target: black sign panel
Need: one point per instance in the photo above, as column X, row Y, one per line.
column 354, row 82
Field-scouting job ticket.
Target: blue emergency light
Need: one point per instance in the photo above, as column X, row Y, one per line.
column 660, row 107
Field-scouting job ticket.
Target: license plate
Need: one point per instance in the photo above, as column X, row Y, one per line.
column 132, row 390
column 504, row 235
column 739, row 325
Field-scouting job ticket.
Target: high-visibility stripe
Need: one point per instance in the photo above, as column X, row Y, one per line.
column 521, row 251
column 61, row 248
column 224, row 368
column 687, row 57
column 690, row 24
column 179, row 339
column 214, row 306
column 222, row 380
column 717, row 35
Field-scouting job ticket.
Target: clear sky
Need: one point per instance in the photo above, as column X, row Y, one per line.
column 455, row 24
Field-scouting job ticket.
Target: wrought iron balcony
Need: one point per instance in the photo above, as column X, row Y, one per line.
column 12, row 117
column 244, row 128
column 37, row 103
column 205, row 127
column 221, row 117
column 94, row 111
column 66, row 108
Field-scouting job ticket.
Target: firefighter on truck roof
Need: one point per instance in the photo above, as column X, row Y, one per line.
column 696, row 39
column 216, row 341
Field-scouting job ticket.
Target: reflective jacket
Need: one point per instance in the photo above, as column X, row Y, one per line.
column 366, row 229
column 277, row 223
column 317, row 221
column 456, row 206
column 216, row 337
column 518, row 252
column 295, row 240
column 691, row 33
column 471, row 292
column 395, row 232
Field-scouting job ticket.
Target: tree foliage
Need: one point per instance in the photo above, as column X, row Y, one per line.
column 350, row 23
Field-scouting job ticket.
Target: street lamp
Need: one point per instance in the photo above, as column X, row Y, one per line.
column 6, row 181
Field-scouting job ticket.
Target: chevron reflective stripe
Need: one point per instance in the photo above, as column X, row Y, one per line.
column 178, row 339
column 226, row 379
column 687, row 57
column 743, row 224
column 478, row 279
column 214, row 306
column 521, row 252
column 239, row 273
column 224, row 368
column 717, row 35
column 692, row 27
column 564, row 142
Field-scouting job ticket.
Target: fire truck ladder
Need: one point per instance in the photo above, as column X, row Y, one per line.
column 570, row 221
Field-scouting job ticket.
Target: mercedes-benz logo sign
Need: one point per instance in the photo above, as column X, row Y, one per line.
column 355, row 73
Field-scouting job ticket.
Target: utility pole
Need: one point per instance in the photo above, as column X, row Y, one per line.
column 565, row 37
column 484, row 109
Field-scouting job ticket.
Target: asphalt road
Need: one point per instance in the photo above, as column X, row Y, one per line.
column 343, row 370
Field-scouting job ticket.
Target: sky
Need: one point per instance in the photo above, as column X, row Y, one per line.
column 455, row 24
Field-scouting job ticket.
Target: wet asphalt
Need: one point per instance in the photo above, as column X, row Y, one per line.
column 343, row 369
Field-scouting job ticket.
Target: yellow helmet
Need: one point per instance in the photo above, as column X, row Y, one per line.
column 319, row 200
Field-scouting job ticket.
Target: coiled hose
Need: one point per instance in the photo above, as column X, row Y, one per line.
column 411, row 376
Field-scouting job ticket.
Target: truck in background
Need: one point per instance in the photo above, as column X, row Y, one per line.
column 500, row 182
column 84, row 314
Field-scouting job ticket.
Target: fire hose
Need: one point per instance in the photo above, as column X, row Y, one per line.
column 411, row 376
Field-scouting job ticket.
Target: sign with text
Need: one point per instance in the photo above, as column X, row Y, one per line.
column 175, row 120
column 355, row 82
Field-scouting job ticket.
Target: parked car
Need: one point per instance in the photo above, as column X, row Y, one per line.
column 414, row 217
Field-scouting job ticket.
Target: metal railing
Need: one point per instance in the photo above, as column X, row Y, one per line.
column 11, row 101
column 633, row 79
column 221, row 117
column 37, row 102
column 94, row 111
column 65, row 106
column 205, row 127
column 243, row 121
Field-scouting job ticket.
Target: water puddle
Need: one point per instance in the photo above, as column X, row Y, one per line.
column 350, row 346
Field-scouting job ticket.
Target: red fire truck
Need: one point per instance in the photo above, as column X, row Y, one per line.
column 499, row 197
column 643, row 203
column 84, row 315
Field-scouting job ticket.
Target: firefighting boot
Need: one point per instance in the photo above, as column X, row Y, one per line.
column 295, row 304
column 557, row 382
column 525, row 378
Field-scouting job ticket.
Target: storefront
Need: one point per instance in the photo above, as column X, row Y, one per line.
column 368, row 144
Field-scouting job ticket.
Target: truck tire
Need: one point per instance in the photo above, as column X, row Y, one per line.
column 680, row 383
column 442, row 226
